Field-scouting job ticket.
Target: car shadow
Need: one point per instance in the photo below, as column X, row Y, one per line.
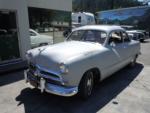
column 145, row 41
column 103, row 93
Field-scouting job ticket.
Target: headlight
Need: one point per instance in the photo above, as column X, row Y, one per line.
column 28, row 56
column 63, row 68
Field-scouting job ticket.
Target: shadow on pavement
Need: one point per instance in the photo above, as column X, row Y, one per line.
column 11, row 77
column 146, row 41
column 103, row 93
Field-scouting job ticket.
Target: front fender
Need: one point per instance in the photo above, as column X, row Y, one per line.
column 77, row 70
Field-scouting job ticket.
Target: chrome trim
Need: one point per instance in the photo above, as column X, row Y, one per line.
column 52, row 78
column 38, row 73
column 60, row 90
column 49, row 71
column 54, row 89
column 25, row 76
column 42, row 84
column 59, row 79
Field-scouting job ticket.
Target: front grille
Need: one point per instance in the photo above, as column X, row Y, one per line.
column 53, row 81
column 49, row 74
column 31, row 76
column 49, row 77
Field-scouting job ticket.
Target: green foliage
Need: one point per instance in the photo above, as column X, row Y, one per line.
column 99, row 5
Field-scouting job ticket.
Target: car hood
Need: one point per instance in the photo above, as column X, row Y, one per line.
column 63, row 52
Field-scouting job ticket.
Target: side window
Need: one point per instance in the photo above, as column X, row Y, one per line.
column 90, row 36
column 95, row 36
column 32, row 33
column 115, row 37
column 125, row 37
column 77, row 35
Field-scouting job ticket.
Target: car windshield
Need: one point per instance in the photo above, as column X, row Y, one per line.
column 32, row 33
column 88, row 35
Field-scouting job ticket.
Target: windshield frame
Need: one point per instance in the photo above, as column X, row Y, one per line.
column 68, row 38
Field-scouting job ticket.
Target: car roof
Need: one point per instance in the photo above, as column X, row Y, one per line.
column 106, row 28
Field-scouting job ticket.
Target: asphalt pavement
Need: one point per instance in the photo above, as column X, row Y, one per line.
column 127, row 91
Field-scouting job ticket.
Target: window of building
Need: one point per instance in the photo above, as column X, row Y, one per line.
column 50, row 22
column 9, row 47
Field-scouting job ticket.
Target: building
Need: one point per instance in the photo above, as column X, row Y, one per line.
column 138, row 17
column 17, row 16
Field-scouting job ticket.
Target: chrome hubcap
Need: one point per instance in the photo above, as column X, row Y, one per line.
column 90, row 83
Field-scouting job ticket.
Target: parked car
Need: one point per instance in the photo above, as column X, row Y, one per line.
column 89, row 54
column 39, row 40
column 136, row 35
column 139, row 35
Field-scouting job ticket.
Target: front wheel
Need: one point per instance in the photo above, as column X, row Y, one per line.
column 86, row 85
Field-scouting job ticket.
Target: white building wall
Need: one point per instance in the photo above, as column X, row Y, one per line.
column 65, row 5
column 20, row 6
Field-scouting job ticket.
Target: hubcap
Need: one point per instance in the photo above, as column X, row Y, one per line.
column 90, row 83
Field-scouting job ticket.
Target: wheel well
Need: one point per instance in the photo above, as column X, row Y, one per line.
column 96, row 73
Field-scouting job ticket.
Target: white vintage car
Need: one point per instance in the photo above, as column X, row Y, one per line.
column 90, row 54
column 39, row 40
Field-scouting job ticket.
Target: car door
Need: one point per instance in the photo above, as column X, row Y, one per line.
column 115, row 52
column 128, row 46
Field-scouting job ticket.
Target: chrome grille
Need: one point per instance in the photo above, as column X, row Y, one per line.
column 49, row 74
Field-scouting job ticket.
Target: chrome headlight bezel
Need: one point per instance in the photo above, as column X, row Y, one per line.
column 63, row 68
column 28, row 56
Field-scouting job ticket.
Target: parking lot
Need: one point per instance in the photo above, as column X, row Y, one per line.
column 127, row 91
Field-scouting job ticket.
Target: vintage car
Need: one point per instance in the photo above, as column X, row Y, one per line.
column 137, row 35
column 39, row 40
column 133, row 33
column 90, row 54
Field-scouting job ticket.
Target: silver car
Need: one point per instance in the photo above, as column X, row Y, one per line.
column 89, row 54
column 39, row 40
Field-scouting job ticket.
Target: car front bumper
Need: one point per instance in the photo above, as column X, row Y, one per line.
column 49, row 87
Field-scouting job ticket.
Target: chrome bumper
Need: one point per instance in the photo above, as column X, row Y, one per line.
column 53, row 89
